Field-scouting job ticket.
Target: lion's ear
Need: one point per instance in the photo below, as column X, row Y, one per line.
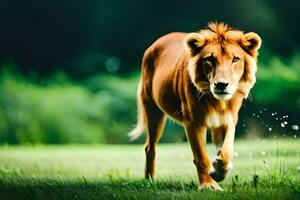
column 194, row 42
column 251, row 42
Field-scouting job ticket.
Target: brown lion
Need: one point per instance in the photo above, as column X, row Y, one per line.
column 200, row 80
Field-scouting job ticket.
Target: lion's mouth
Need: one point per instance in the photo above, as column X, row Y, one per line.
column 222, row 93
column 219, row 94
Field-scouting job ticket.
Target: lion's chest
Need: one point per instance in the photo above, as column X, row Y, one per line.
column 215, row 119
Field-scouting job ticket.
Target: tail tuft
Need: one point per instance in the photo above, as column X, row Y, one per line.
column 140, row 126
column 136, row 132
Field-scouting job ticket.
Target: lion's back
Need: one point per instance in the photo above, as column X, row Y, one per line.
column 163, row 55
column 168, row 46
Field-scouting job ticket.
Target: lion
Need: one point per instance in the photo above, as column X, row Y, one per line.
column 198, row 79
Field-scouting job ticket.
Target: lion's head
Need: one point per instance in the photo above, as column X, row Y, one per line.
column 222, row 60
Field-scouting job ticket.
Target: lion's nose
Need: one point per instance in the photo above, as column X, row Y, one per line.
column 221, row 85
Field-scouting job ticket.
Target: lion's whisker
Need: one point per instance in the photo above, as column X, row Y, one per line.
column 200, row 94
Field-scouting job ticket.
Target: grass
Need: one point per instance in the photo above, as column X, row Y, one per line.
column 264, row 169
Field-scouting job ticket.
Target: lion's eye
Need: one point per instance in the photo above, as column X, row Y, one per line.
column 235, row 59
column 210, row 59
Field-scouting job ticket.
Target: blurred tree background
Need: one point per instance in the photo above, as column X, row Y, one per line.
column 69, row 69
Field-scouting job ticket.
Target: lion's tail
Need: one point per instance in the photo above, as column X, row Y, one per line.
column 140, row 126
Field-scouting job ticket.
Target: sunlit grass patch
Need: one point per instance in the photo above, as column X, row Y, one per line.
column 264, row 169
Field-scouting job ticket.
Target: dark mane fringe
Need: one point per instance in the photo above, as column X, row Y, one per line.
column 219, row 28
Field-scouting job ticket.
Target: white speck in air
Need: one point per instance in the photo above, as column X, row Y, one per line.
column 295, row 127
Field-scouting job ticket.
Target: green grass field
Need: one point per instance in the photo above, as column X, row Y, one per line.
column 264, row 169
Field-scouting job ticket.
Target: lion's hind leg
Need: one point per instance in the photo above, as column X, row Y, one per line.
column 155, row 121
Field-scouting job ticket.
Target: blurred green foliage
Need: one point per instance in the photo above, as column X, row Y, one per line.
column 102, row 108
column 65, row 112
column 278, row 83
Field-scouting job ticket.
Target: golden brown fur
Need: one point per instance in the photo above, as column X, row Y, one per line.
column 200, row 80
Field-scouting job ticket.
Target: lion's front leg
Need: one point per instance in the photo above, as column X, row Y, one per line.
column 222, row 162
column 197, row 139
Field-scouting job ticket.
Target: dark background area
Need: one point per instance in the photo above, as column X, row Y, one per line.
column 49, row 35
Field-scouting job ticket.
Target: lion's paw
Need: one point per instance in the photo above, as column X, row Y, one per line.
column 210, row 186
column 220, row 169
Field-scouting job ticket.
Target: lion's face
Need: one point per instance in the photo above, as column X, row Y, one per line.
column 222, row 60
column 222, row 68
